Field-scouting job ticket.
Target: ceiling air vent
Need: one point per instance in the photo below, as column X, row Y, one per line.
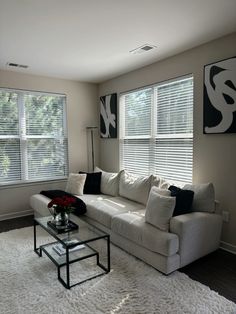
column 142, row 49
column 16, row 65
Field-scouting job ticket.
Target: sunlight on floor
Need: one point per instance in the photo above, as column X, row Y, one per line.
column 119, row 305
column 95, row 285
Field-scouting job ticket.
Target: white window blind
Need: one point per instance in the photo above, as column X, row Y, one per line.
column 33, row 137
column 157, row 130
column 136, row 131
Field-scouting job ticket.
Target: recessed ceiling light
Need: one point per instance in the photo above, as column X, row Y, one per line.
column 142, row 49
column 17, row 65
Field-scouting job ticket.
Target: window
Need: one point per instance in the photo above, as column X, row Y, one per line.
column 33, row 137
column 156, row 134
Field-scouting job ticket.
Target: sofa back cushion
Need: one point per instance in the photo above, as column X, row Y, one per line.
column 163, row 192
column 159, row 182
column 204, row 197
column 109, row 182
column 159, row 209
column 135, row 188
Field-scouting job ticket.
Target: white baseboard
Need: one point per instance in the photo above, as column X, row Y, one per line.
column 228, row 247
column 16, row 214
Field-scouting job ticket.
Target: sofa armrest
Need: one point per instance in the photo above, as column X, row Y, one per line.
column 199, row 234
column 39, row 204
column 217, row 208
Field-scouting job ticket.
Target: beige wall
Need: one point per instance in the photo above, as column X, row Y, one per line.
column 214, row 155
column 82, row 111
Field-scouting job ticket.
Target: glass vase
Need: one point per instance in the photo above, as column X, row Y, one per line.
column 61, row 220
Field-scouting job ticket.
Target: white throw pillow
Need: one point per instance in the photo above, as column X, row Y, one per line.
column 204, row 197
column 109, row 182
column 159, row 210
column 135, row 188
column 75, row 183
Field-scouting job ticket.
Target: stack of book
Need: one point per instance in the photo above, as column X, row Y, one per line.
column 60, row 249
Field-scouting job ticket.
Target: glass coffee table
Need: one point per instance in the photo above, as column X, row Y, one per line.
column 74, row 246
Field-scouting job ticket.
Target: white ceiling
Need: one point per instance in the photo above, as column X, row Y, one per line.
column 90, row 40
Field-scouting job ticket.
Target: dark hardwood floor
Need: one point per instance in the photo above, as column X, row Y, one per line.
column 16, row 223
column 216, row 270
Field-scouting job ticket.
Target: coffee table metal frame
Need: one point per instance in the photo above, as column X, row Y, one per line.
column 43, row 248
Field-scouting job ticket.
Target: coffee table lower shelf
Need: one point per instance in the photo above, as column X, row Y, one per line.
column 72, row 257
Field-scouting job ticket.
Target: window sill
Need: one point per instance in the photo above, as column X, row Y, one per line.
column 31, row 183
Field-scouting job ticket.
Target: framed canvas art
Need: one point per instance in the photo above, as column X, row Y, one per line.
column 220, row 97
column 108, row 116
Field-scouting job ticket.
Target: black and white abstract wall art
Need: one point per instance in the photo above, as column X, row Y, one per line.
column 220, row 97
column 108, row 116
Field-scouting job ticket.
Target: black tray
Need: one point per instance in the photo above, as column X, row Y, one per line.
column 71, row 226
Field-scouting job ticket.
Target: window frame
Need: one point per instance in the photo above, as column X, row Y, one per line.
column 22, row 137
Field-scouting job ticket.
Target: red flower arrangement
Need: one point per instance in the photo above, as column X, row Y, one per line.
column 62, row 204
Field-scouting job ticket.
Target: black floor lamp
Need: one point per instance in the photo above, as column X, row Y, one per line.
column 91, row 129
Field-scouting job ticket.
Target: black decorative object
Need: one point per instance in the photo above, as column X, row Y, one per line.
column 71, row 226
column 108, row 116
column 220, row 97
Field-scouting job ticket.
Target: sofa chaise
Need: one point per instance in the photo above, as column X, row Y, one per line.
column 167, row 243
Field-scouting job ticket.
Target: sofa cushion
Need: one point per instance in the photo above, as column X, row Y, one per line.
column 109, row 182
column 94, row 198
column 135, row 188
column 103, row 207
column 204, row 197
column 99, row 209
column 133, row 227
column 92, row 183
column 75, row 183
column 159, row 210
column 184, row 200
column 127, row 205
column 102, row 213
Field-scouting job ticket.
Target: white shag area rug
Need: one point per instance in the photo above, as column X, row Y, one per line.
column 28, row 284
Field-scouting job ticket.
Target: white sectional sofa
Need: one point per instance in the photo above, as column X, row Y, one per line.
column 120, row 211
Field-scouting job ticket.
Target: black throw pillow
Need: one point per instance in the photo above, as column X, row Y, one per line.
column 184, row 200
column 92, row 183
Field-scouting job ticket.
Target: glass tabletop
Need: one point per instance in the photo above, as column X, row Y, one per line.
column 84, row 234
